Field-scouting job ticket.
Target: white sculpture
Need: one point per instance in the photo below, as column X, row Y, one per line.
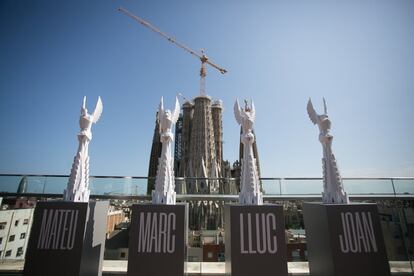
column 333, row 190
column 250, row 193
column 164, row 182
column 78, row 184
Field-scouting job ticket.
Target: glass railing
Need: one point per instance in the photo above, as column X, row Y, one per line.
column 138, row 186
column 55, row 184
column 403, row 186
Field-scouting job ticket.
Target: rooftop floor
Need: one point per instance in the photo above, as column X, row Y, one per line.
column 14, row 267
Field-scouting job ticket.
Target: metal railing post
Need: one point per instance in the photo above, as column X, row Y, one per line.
column 280, row 185
column 393, row 186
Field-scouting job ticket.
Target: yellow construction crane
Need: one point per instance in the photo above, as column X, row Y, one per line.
column 203, row 58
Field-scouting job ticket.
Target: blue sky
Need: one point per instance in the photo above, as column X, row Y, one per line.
column 357, row 54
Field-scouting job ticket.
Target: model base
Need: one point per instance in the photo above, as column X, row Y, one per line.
column 67, row 238
column 255, row 240
column 158, row 240
column 344, row 239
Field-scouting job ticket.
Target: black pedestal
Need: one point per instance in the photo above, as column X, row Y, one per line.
column 158, row 240
column 344, row 239
column 67, row 238
column 255, row 240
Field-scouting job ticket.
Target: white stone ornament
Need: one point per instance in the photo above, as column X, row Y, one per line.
column 250, row 193
column 77, row 189
column 333, row 189
column 164, row 192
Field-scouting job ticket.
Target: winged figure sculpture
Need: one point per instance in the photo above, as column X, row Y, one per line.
column 334, row 192
column 164, row 192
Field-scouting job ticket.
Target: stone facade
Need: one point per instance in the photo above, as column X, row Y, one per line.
column 155, row 154
column 217, row 110
column 198, row 153
column 202, row 155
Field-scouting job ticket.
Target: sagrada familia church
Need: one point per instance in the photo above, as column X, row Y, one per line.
column 198, row 160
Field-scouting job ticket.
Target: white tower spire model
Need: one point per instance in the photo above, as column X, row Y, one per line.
column 164, row 182
column 333, row 189
column 250, row 186
column 78, row 184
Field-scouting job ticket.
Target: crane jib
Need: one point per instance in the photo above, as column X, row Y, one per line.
column 172, row 40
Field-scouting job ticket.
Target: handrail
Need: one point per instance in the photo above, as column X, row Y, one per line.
column 218, row 197
column 216, row 178
column 287, row 188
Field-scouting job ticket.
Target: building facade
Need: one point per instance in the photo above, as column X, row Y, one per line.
column 114, row 218
column 15, row 225
column 155, row 154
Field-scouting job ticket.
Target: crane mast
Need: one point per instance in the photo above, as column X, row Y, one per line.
column 202, row 57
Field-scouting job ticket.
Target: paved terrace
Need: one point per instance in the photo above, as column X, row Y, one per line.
column 112, row 268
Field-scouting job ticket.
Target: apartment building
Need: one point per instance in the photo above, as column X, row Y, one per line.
column 15, row 227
